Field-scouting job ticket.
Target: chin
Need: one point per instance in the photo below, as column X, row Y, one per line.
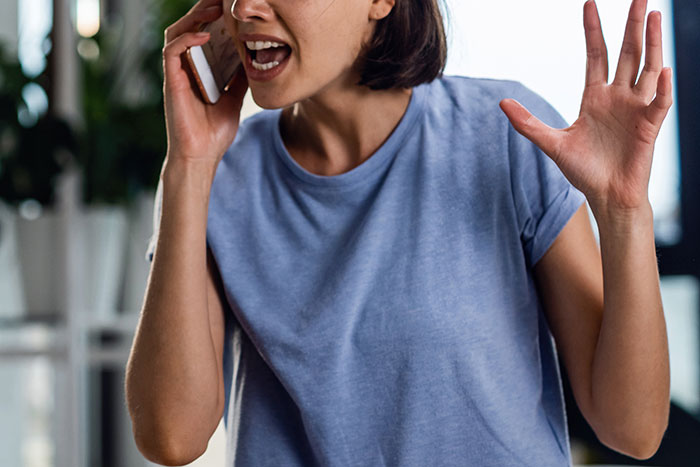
column 270, row 99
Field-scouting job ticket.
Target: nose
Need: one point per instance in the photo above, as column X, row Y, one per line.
column 250, row 10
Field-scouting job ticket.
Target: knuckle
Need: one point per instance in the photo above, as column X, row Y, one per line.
column 630, row 48
column 196, row 6
column 652, row 66
column 594, row 53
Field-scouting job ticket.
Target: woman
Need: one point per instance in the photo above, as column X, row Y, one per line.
column 369, row 274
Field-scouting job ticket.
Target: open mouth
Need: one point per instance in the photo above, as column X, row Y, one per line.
column 267, row 55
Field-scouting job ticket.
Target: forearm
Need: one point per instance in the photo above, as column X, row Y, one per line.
column 630, row 373
column 172, row 374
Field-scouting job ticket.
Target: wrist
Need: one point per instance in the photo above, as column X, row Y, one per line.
column 183, row 171
column 616, row 220
column 178, row 163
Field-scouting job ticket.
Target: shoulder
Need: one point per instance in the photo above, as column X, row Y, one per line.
column 254, row 136
column 478, row 99
column 470, row 89
column 244, row 161
column 255, row 126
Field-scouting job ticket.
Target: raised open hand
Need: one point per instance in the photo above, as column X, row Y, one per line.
column 607, row 152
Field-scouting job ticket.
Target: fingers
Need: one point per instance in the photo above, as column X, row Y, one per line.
column 172, row 52
column 545, row 137
column 596, row 50
column 631, row 53
column 654, row 57
column 202, row 4
column 657, row 110
column 204, row 11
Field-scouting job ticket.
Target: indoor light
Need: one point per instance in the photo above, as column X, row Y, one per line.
column 88, row 17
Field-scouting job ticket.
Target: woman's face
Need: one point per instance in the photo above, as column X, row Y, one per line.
column 322, row 41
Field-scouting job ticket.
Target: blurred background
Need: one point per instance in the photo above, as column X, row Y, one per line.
column 82, row 140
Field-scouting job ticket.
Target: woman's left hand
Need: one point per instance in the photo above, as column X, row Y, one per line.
column 607, row 152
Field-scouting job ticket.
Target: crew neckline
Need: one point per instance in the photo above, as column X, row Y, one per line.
column 367, row 169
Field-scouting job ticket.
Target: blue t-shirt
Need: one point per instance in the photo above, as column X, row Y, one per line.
column 388, row 316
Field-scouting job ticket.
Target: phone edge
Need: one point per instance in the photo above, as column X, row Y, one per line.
column 198, row 79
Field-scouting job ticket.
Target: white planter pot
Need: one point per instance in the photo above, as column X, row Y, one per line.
column 137, row 268
column 105, row 229
column 14, row 418
column 11, row 297
column 39, row 252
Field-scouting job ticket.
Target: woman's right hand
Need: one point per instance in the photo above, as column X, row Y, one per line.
column 197, row 131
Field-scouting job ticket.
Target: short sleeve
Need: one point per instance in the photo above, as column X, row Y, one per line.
column 544, row 199
column 150, row 250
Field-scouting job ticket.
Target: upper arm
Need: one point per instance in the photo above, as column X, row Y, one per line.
column 570, row 281
column 215, row 304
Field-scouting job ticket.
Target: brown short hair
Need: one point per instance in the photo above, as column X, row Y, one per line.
column 408, row 48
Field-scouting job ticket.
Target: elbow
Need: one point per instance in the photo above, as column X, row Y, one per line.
column 637, row 449
column 640, row 443
column 169, row 442
column 633, row 431
column 166, row 441
column 167, row 431
column 161, row 443
column 170, row 453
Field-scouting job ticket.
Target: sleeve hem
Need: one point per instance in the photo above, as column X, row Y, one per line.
column 557, row 215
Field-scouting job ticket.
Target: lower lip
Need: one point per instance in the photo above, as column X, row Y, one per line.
column 263, row 75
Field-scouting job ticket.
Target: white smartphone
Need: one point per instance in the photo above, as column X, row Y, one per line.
column 215, row 63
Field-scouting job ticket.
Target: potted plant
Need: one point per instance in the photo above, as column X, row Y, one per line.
column 34, row 151
column 122, row 148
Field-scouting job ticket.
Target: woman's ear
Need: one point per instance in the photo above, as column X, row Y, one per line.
column 380, row 9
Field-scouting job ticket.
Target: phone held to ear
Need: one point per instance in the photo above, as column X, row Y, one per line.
column 215, row 63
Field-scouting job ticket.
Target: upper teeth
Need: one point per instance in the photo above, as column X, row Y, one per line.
column 259, row 45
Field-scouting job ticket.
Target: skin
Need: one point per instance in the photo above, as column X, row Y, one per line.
column 603, row 305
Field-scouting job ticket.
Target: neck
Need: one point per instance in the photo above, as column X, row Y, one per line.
column 335, row 131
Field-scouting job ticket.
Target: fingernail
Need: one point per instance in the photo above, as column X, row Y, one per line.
column 202, row 34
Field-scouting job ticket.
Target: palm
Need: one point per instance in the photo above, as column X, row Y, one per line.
column 607, row 152
column 194, row 120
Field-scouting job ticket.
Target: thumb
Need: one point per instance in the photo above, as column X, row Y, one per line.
column 544, row 136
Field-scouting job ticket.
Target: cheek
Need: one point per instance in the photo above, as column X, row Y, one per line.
column 338, row 39
column 228, row 17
